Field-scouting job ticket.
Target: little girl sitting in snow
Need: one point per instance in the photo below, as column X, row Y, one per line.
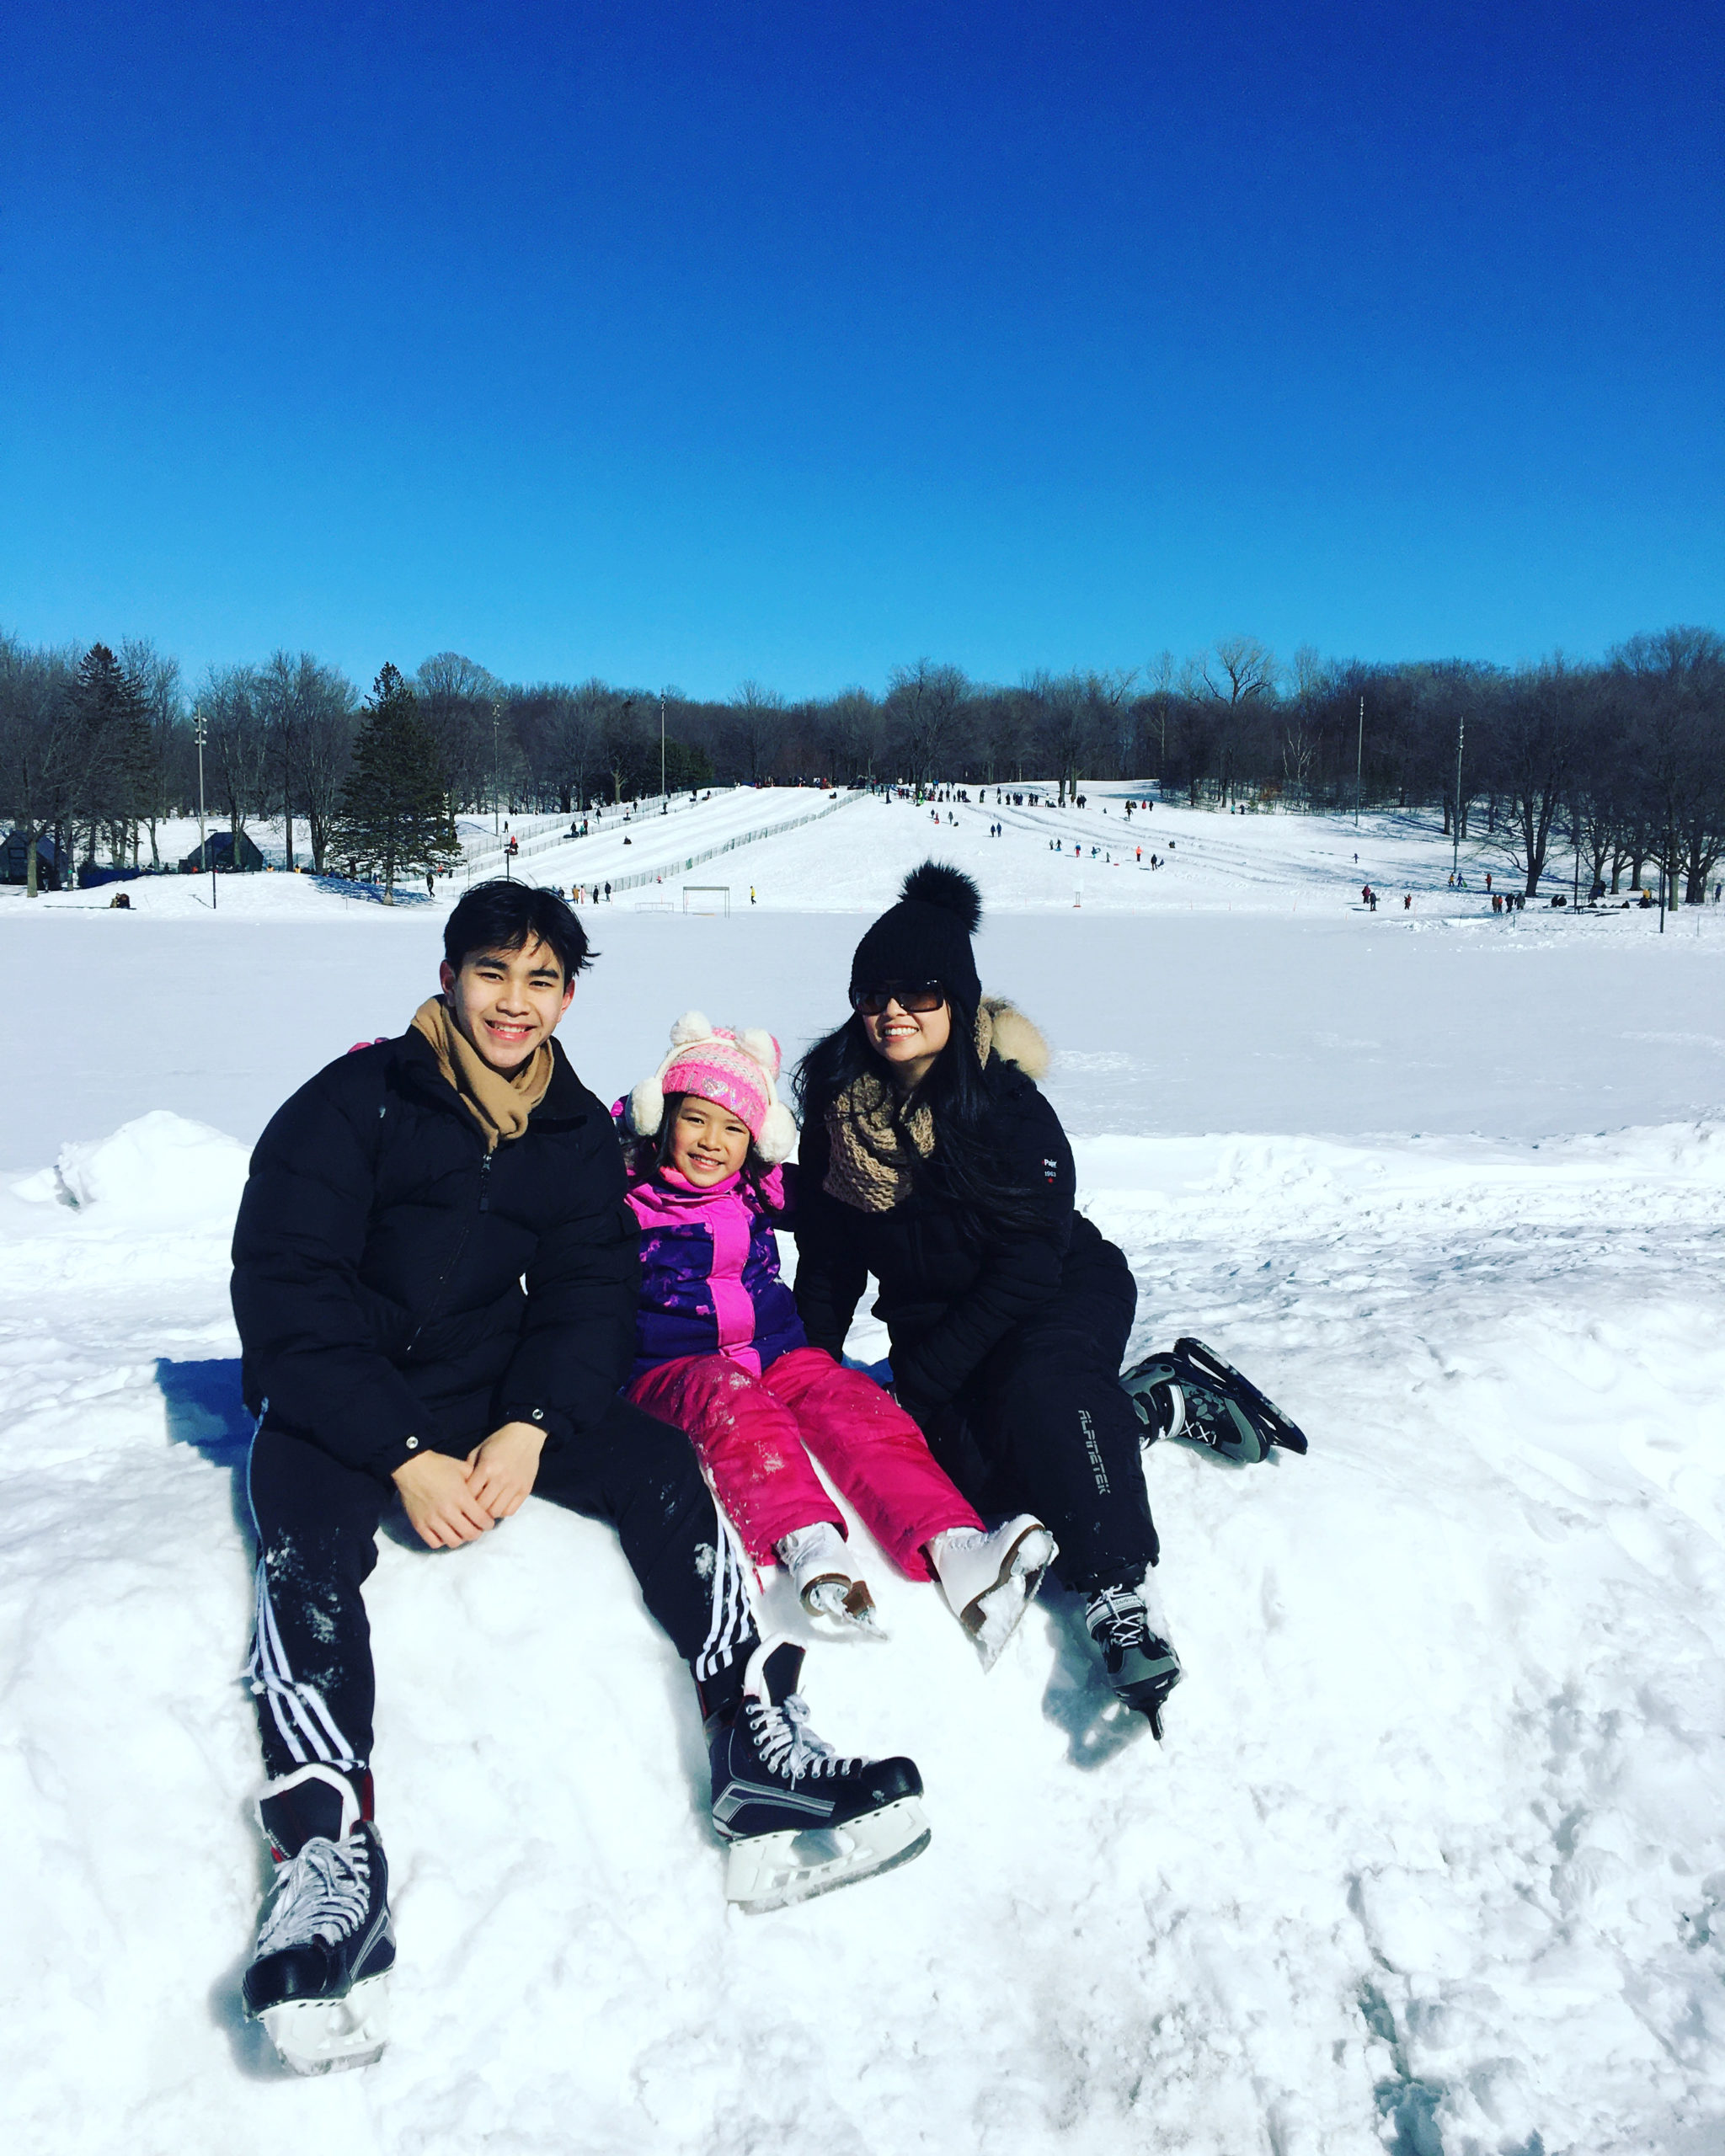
column 720, row 1351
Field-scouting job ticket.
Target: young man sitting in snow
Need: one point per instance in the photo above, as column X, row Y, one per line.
column 435, row 1281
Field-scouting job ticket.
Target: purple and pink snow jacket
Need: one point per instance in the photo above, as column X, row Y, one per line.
column 710, row 1282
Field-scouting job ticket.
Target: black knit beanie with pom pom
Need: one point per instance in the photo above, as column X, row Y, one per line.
column 925, row 936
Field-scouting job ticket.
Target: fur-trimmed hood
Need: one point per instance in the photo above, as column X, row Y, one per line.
column 1017, row 1040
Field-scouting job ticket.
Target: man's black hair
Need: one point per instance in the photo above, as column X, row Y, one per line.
column 503, row 915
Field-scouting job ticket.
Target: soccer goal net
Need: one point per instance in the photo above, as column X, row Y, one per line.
column 707, row 898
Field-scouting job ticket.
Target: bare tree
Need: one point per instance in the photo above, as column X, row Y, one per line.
column 327, row 728
column 925, row 706
column 751, row 731
column 1156, row 707
column 35, row 733
column 1678, row 750
column 283, row 690
column 848, row 727
column 562, row 733
column 1236, row 673
column 156, row 679
column 239, row 749
column 1301, row 720
column 1532, row 746
column 462, row 704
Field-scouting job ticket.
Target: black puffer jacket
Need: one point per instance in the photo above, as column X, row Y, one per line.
column 380, row 1257
column 948, row 1295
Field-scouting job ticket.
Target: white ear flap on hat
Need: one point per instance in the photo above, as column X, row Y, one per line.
column 760, row 1045
column 647, row 1108
column 777, row 1134
column 692, row 1026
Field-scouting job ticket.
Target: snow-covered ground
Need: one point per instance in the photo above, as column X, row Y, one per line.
column 1433, row 1858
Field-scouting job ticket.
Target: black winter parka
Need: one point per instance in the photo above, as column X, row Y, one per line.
column 949, row 1292
column 397, row 1288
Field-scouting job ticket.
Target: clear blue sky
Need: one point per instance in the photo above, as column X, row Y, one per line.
column 680, row 343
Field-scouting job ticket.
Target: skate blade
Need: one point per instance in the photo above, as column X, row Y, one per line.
column 1271, row 1425
column 772, row 1871
column 996, row 1614
column 328, row 2035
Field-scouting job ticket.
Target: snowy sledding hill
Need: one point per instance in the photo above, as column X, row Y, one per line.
column 1434, row 1859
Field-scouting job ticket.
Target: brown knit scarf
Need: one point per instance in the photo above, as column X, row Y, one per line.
column 876, row 1134
column 499, row 1106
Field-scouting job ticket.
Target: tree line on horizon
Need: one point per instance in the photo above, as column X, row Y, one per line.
column 1620, row 761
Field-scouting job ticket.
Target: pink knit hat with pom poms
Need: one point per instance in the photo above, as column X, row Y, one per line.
column 735, row 1069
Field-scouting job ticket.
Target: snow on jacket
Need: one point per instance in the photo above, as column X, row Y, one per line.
column 948, row 1293
column 380, row 1254
column 710, row 1281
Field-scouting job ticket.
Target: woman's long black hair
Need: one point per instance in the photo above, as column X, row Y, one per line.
column 964, row 1170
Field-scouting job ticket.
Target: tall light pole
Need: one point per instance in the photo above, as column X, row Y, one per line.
column 200, row 733
column 1665, row 864
column 661, row 750
column 1455, row 860
column 496, row 769
column 1359, row 760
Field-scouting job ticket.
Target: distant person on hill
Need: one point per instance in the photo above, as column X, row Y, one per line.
column 435, row 1279
column 720, row 1350
column 931, row 1160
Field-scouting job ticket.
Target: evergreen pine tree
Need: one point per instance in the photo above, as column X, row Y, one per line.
column 110, row 748
column 394, row 814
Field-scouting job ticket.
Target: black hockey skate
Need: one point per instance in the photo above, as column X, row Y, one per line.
column 1142, row 1667
column 800, row 1819
column 319, row 1978
column 1188, row 1391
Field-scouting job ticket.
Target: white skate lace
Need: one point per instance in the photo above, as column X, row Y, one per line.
column 788, row 1746
column 1117, row 1618
column 322, row 1893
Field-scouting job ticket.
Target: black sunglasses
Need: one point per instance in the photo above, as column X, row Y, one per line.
column 915, row 995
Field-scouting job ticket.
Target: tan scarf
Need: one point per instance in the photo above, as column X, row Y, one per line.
column 877, row 1136
column 499, row 1106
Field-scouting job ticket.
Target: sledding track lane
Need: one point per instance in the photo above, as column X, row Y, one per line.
column 663, row 842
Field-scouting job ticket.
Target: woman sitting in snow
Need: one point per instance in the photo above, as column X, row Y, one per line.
column 721, row 1352
column 931, row 1160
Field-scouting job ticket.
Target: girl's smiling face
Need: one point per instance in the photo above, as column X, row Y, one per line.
column 707, row 1143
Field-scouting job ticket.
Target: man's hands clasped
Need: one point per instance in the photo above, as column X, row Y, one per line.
column 448, row 1502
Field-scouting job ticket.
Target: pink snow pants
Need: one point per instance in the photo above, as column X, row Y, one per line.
column 754, row 1435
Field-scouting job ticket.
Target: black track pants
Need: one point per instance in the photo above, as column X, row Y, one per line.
column 1042, row 1426
column 311, row 1670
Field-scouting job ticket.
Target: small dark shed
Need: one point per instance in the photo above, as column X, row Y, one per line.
column 218, row 852
column 14, row 861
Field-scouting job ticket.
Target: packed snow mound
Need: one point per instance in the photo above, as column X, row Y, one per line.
column 1432, row 1861
column 160, row 1167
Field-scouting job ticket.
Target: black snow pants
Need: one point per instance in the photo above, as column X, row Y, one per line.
column 316, row 1520
column 1042, row 1426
